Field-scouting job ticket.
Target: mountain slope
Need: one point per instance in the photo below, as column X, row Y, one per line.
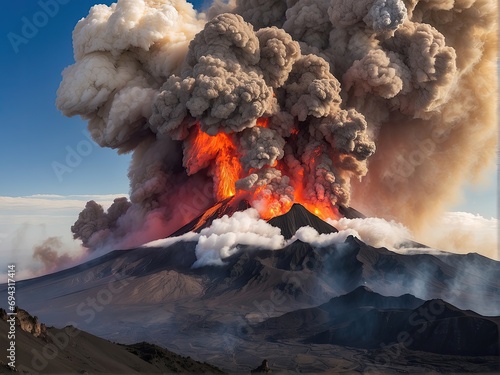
column 304, row 321
column 364, row 319
column 154, row 295
column 70, row 350
column 451, row 331
column 227, row 207
column 298, row 216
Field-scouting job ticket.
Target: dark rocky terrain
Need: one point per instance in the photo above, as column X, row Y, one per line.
column 300, row 307
column 70, row 350
column 364, row 319
column 298, row 217
column 225, row 207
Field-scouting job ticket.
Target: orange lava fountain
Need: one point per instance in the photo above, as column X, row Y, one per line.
column 219, row 154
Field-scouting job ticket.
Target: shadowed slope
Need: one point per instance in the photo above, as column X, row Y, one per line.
column 227, row 206
column 76, row 351
column 365, row 319
column 297, row 217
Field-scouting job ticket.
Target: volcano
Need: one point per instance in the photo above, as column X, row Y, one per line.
column 344, row 299
column 267, row 104
column 298, row 216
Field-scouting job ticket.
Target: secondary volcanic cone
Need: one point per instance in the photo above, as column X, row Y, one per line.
column 281, row 102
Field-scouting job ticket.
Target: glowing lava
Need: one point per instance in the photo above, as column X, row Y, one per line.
column 227, row 168
column 263, row 122
column 219, row 154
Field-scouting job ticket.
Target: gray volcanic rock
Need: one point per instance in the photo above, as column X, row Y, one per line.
column 263, row 368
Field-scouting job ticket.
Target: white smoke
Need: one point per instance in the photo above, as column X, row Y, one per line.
column 375, row 232
column 311, row 236
column 227, row 235
column 223, row 237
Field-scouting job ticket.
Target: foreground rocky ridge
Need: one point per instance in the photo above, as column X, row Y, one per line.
column 70, row 350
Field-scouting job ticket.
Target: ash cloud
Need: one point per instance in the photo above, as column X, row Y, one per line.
column 383, row 104
column 50, row 254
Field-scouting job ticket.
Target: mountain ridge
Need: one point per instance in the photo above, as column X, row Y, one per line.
column 363, row 319
column 73, row 347
column 155, row 292
column 297, row 217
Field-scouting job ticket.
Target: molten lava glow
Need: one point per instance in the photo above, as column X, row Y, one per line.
column 263, row 122
column 323, row 210
column 219, row 154
column 269, row 207
column 227, row 167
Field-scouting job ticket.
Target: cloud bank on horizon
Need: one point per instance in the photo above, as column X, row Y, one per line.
column 35, row 232
column 388, row 105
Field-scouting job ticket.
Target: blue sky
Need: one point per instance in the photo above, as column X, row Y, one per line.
column 36, row 135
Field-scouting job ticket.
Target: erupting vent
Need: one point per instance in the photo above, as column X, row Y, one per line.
column 281, row 102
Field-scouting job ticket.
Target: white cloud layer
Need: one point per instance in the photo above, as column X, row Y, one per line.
column 463, row 232
column 375, row 231
column 226, row 234
column 455, row 232
column 53, row 203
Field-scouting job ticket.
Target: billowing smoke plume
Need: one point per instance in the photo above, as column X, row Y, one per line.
column 50, row 254
column 94, row 224
column 388, row 104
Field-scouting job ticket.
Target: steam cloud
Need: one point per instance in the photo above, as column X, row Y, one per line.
column 245, row 228
column 385, row 103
